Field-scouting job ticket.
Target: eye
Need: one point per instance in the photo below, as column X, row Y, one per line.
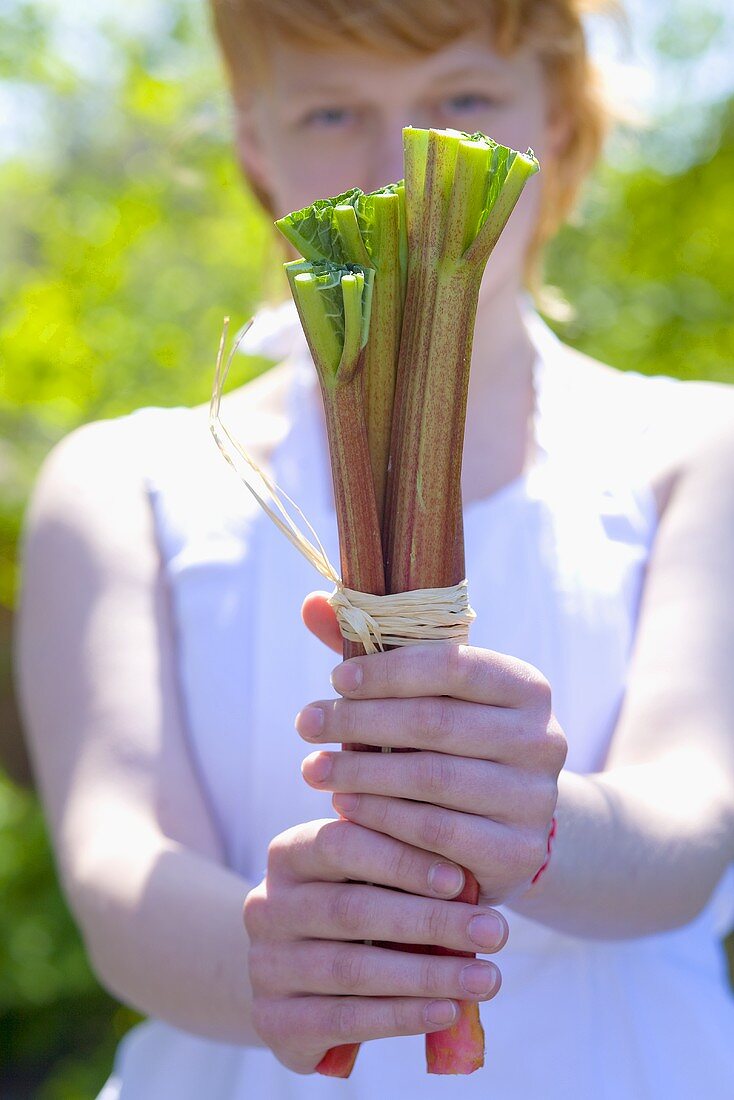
column 468, row 101
column 328, row 117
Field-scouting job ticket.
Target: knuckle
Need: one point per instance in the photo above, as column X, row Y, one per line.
column 259, row 967
column 401, row 1018
column 535, row 734
column 431, row 975
column 255, row 911
column 391, row 669
column 348, row 911
column 407, row 1017
column 434, row 718
column 557, row 744
column 343, row 1020
column 548, row 745
column 463, row 668
column 345, row 721
column 436, row 831
column 532, row 852
column 547, row 798
column 436, row 773
column 348, row 969
column 401, row 866
column 539, row 803
column 278, row 851
column 265, row 1021
column 358, row 766
column 435, row 924
column 331, row 842
column 382, row 813
column 540, row 690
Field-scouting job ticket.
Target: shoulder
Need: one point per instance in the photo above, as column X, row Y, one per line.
column 257, row 413
column 88, row 500
column 114, row 455
column 674, row 425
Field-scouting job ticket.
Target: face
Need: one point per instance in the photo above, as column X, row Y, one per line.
column 328, row 122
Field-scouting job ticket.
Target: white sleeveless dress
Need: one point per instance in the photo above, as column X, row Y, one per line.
column 556, row 561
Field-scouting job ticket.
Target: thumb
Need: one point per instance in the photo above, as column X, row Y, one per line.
column 320, row 619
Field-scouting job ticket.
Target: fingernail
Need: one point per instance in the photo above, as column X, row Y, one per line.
column 445, row 878
column 486, row 930
column 440, row 1012
column 318, row 766
column 345, row 803
column 479, row 978
column 346, row 677
column 310, row 722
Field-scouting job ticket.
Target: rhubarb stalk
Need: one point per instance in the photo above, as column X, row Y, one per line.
column 459, row 193
column 333, row 303
column 368, row 230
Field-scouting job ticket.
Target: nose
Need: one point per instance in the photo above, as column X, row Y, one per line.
column 386, row 153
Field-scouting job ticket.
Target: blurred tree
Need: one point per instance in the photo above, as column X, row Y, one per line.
column 648, row 271
column 126, row 236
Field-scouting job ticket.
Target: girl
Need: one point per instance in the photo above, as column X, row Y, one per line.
column 157, row 616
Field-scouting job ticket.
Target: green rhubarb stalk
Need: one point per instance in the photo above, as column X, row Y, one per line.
column 460, row 190
column 368, row 230
column 333, row 303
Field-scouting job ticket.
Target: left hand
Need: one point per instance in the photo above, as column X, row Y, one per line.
column 482, row 792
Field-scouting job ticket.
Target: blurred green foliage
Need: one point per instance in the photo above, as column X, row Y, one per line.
column 126, row 236
column 648, row 271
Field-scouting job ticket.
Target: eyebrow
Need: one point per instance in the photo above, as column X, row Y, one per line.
column 471, row 69
column 463, row 72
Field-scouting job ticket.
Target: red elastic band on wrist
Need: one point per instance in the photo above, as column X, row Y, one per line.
column 551, row 834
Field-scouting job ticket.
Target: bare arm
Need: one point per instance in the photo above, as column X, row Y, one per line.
column 642, row 844
column 137, row 852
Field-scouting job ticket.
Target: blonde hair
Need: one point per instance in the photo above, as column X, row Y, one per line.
column 553, row 28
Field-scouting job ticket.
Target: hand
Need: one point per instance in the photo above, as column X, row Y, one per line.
column 483, row 790
column 313, row 987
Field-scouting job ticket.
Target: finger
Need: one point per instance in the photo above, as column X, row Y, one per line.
column 320, row 966
column 319, row 1023
column 479, row 787
column 336, row 851
column 336, row 911
column 320, row 619
column 478, row 730
column 497, row 855
column 461, row 671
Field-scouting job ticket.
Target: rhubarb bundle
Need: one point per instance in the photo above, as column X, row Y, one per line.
column 387, row 293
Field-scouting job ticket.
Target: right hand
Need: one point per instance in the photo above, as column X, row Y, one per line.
column 313, row 986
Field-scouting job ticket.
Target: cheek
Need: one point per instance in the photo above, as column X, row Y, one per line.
column 522, row 128
column 507, row 261
column 299, row 173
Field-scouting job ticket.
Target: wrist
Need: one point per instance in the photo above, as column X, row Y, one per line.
column 553, row 893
